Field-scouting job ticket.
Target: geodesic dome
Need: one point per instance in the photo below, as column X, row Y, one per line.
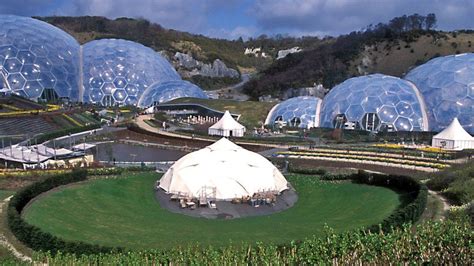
column 302, row 111
column 374, row 102
column 170, row 90
column 119, row 71
column 447, row 86
column 38, row 60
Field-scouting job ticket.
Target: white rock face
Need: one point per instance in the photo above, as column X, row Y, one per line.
column 194, row 67
column 284, row 53
column 316, row 91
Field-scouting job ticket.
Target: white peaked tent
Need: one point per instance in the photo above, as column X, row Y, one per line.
column 227, row 127
column 454, row 137
column 226, row 170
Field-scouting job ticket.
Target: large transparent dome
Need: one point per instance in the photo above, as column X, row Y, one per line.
column 300, row 112
column 167, row 91
column 37, row 60
column 374, row 102
column 447, row 85
column 117, row 72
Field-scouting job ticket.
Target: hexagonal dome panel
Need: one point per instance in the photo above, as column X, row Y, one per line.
column 167, row 91
column 375, row 102
column 129, row 67
column 447, row 83
column 36, row 51
column 302, row 111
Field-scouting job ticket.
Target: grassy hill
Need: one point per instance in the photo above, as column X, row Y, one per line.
column 252, row 113
column 358, row 54
column 203, row 48
column 397, row 57
column 390, row 48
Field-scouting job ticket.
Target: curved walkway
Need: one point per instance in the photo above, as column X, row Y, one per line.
column 140, row 121
column 442, row 199
column 4, row 241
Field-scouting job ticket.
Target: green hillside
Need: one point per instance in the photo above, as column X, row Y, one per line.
column 392, row 48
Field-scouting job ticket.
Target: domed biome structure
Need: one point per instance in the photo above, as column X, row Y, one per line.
column 374, row 102
column 447, row 86
column 170, row 90
column 117, row 72
column 38, row 60
column 302, row 111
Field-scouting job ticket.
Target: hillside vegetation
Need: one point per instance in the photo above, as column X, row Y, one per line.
column 391, row 48
column 203, row 48
column 397, row 57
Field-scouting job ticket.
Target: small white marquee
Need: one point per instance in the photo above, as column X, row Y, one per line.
column 454, row 137
column 227, row 127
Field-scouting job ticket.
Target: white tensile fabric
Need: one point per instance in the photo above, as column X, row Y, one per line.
column 454, row 137
column 227, row 127
column 229, row 169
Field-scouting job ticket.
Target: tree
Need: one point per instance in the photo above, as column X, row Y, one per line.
column 416, row 21
column 398, row 24
column 430, row 21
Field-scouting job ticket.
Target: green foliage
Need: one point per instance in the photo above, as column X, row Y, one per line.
column 456, row 183
column 431, row 243
column 208, row 83
column 206, row 49
column 328, row 64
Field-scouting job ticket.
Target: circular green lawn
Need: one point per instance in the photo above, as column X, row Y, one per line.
column 124, row 212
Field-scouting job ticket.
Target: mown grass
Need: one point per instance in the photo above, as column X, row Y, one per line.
column 124, row 212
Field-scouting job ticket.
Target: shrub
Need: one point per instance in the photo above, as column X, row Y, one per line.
column 456, row 183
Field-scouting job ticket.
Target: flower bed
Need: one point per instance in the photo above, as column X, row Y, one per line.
column 363, row 158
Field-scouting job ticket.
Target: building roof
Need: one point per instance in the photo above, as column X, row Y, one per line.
column 230, row 170
column 454, row 132
column 227, row 122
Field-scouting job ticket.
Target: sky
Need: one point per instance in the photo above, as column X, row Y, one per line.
column 232, row 19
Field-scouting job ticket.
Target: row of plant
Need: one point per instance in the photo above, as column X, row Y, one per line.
column 399, row 146
column 96, row 171
column 50, row 108
column 60, row 133
column 431, row 243
column 442, row 154
column 84, row 118
column 384, row 154
column 72, row 120
column 364, row 158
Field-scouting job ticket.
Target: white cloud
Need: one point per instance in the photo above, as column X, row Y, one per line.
column 175, row 14
column 342, row 16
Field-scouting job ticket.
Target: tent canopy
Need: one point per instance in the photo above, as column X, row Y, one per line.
column 225, row 169
column 454, row 132
column 454, row 137
column 225, row 125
